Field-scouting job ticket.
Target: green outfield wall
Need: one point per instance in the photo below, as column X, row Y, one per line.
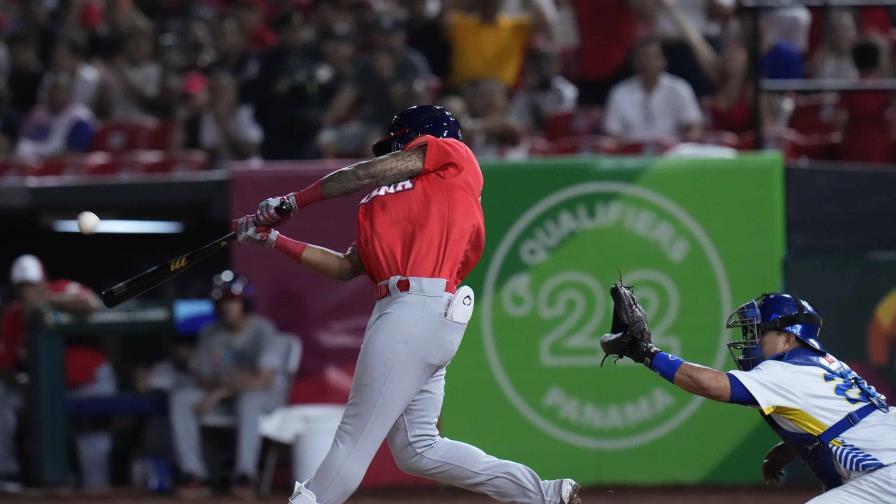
column 695, row 237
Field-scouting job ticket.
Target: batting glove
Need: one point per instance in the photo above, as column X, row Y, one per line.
column 267, row 215
column 248, row 232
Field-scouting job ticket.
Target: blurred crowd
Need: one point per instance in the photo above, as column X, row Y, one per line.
column 294, row 79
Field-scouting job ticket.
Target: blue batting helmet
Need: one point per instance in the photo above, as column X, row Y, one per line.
column 415, row 121
column 773, row 312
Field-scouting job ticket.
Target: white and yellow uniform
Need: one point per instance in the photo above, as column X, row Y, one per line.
column 805, row 394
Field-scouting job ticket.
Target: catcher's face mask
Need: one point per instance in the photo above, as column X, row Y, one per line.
column 747, row 352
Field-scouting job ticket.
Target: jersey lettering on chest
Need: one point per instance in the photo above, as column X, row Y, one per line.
column 405, row 185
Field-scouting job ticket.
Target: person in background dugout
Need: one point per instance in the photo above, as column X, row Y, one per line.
column 234, row 369
column 87, row 372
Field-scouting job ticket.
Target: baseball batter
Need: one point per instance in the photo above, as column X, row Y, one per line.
column 823, row 411
column 420, row 232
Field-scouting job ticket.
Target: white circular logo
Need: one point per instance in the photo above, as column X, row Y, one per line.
column 545, row 308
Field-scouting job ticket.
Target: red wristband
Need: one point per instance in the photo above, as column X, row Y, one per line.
column 290, row 247
column 309, row 195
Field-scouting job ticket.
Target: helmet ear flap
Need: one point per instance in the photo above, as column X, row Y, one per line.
column 382, row 147
column 393, row 142
column 790, row 314
column 415, row 121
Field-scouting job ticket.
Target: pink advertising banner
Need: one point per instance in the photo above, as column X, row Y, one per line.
column 328, row 315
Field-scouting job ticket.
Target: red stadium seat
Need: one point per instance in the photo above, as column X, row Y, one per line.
column 569, row 145
column 574, row 144
column 746, row 141
column 160, row 136
column 721, row 137
column 50, row 167
column 176, row 161
column 137, row 161
column 813, row 118
column 866, row 138
column 23, row 168
column 188, row 161
column 814, row 121
column 797, row 146
column 600, row 144
column 540, row 146
column 127, row 136
column 100, row 163
column 558, row 126
column 118, row 136
column 645, row 147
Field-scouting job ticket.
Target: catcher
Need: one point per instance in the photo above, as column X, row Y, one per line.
column 824, row 413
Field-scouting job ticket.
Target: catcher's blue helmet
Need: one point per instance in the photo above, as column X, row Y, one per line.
column 773, row 312
column 415, row 121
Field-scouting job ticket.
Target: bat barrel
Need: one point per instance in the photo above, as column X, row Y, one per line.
column 161, row 273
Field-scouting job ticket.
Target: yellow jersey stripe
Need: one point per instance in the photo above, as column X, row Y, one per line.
column 799, row 418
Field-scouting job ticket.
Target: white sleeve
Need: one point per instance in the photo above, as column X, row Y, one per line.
column 613, row 118
column 208, row 132
column 246, row 128
column 690, row 109
column 768, row 382
column 200, row 359
column 569, row 94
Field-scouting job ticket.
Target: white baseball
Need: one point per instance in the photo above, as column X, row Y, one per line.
column 88, row 222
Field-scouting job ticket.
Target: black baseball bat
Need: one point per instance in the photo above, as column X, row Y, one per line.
column 161, row 273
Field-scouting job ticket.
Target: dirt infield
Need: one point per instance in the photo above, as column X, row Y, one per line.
column 665, row 495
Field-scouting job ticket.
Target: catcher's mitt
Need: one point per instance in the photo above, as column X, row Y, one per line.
column 629, row 335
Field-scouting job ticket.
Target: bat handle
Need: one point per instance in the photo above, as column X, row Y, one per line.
column 284, row 208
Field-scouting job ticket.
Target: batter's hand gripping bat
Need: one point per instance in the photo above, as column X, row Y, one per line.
column 161, row 273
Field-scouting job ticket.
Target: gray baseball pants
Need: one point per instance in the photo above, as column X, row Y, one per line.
column 397, row 394
column 248, row 406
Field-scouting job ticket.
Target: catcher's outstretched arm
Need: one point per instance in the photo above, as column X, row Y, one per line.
column 703, row 381
column 630, row 337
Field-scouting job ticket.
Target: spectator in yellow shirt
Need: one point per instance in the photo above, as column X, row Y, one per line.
column 487, row 44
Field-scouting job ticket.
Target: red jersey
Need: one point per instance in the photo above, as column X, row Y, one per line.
column 429, row 226
column 80, row 362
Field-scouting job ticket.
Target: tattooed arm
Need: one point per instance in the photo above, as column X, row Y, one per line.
column 382, row 170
